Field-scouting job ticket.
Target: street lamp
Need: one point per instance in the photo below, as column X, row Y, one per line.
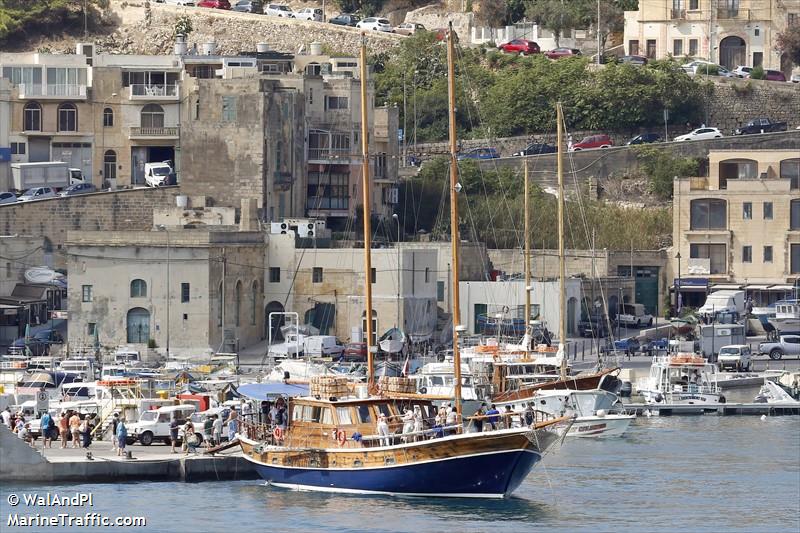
column 397, row 223
column 678, row 287
column 163, row 228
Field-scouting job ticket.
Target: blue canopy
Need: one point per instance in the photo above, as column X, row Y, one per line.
column 267, row 391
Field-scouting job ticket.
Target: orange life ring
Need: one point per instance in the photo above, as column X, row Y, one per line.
column 277, row 433
column 341, row 436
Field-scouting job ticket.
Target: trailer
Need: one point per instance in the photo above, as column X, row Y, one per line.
column 53, row 174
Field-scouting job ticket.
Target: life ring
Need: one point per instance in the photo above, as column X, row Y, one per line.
column 277, row 433
column 341, row 436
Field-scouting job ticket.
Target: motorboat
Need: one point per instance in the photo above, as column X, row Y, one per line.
column 681, row 378
column 773, row 393
column 437, row 379
column 597, row 413
column 393, row 341
column 787, row 317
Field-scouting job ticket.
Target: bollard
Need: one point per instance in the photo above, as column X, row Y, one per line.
column 128, row 454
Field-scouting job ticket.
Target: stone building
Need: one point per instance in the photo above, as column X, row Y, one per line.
column 740, row 227
column 176, row 287
column 727, row 32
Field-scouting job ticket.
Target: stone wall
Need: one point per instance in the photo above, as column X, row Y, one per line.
column 736, row 101
column 104, row 211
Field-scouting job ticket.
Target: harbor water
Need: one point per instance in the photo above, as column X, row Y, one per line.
column 701, row 473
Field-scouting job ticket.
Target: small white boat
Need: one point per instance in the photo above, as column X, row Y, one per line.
column 681, row 379
column 775, row 394
column 787, row 317
column 393, row 341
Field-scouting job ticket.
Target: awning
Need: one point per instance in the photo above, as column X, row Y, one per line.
column 268, row 391
column 726, row 286
column 757, row 287
column 781, row 288
column 690, row 288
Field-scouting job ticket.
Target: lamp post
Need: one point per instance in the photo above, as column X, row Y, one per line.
column 163, row 228
column 678, row 287
column 397, row 222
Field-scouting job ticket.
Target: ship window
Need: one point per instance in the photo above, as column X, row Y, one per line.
column 437, row 380
column 364, row 414
column 384, row 409
column 326, row 417
column 297, row 413
column 343, row 414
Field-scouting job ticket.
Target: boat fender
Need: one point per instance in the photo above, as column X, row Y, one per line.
column 277, row 433
column 601, row 412
column 341, row 436
column 423, row 390
column 659, row 398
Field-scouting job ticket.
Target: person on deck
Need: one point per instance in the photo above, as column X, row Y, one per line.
column 528, row 414
column 417, row 423
column 493, row 417
column 383, row 430
column 408, row 424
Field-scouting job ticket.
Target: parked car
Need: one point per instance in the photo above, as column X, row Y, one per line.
column 558, row 53
column 760, row 125
column 795, row 78
column 645, row 138
column 522, row 47
column 355, row 351
column 345, row 19
column 279, row 10
column 785, row 345
column 635, row 315
column 249, row 6
column 593, row 141
column 735, row 356
column 441, row 35
column 214, row 4
column 37, row 193
column 38, row 343
column 409, row 28
column 536, row 149
column 629, row 346
column 154, row 424
column 188, row 3
column 375, row 24
column 690, row 66
column 774, row 75
column 479, row 153
column 78, row 188
column 594, row 326
column 700, row 134
column 309, row 13
column 634, row 60
column 742, row 71
column 8, row 198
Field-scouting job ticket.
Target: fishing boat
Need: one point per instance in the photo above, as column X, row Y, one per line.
column 681, row 379
column 787, row 318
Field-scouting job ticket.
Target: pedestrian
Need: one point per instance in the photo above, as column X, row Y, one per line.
column 63, row 428
column 507, row 417
column 24, row 433
column 247, row 411
column 121, row 435
column 570, row 144
column 6, row 417
column 208, row 430
column 75, row 429
column 46, row 426
column 493, row 417
column 114, row 425
column 190, row 440
column 383, row 430
column 173, row 431
column 19, row 425
column 233, row 424
column 217, row 429
column 84, row 430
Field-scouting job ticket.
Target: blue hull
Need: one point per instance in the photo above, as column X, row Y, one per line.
column 490, row 475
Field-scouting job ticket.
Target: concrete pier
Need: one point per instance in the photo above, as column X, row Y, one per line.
column 20, row 462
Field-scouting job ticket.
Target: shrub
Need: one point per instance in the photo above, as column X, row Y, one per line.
column 661, row 167
column 151, row 343
column 757, row 73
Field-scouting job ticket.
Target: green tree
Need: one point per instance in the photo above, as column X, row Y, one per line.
column 788, row 42
column 555, row 15
column 23, row 17
column 366, row 8
column 661, row 166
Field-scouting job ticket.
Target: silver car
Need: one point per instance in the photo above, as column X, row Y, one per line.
column 37, row 193
column 7, row 198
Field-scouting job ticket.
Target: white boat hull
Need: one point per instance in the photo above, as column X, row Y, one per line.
column 612, row 425
column 786, row 325
column 701, row 399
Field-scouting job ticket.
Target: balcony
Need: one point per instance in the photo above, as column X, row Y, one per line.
column 329, row 155
column 724, row 13
column 147, row 91
column 698, row 184
column 137, row 132
column 60, row 91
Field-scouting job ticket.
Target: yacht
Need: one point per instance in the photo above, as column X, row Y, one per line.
column 597, row 413
column 681, row 379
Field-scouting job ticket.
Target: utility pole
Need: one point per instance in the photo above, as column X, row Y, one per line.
column 599, row 46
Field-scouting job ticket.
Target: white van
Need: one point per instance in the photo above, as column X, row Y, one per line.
column 157, row 174
column 127, row 356
column 322, row 346
column 724, row 301
column 154, row 425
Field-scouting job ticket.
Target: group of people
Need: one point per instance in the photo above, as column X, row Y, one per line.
column 67, row 425
column 491, row 418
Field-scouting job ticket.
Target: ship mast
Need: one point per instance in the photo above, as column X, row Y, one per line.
column 562, row 296
column 365, row 200
column 527, row 255
column 454, row 238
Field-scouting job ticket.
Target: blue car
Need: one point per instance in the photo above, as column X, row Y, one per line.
column 38, row 343
column 78, row 188
column 479, row 153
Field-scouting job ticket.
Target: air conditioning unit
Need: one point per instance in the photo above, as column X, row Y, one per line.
column 306, row 230
column 279, row 228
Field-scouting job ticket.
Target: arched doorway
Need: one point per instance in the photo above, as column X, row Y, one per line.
column 613, row 305
column 274, row 324
column 138, row 325
column 572, row 305
column 732, row 52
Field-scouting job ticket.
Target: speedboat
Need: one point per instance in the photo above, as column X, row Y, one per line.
column 774, row 393
column 597, row 413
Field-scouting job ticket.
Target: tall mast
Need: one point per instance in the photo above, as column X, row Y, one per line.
column 454, row 187
column 527, row 252
column 365, row 200
column 562, row 296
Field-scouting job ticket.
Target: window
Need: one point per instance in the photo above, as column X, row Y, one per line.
column 373, row 274
column 67, row 117
column 364, row 415
column 278, row 155
column 708, row 214
column 767, row 210
column 237, row 303
column 440, row 291
column 86, row 293
column 32, row 117
column 327, row 190
column 677, row 47
column 316, row 275
column 152, row 116
column 221, row 302
column 185, row 293
column 790, row 169
column 29, row 76
column 91, row 328
column 229, row 109
column 747, row 210
column 758, row 59
column 108, row 117
column 253, row 303
column 274, row 274
column 427, row 275
column 66, row 81
column 651, row 48
column 794, row 266
column 714, row 252
column 633, row 47
column 17, row 148
column 693, row 46
column 747, row 254
column 694, row 4
column 768, row 254
column 110, row 165
column 343, row 414
column 792, row 19
column 336, row 102
column 138, row 288
column 794, row 215
column 756, row 32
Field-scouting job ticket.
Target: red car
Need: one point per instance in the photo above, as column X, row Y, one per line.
column 355, row 351
column 774, row 75
column 522, row 47
column 216, row 4
column 558, row 53
column 593, row 141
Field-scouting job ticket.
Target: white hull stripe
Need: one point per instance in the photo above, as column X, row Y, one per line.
column 313, row 488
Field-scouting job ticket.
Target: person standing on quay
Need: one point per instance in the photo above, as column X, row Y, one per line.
column 63, row 428
column 173, row 432
column 121, row 436
column 75, row 429
column 114, row 426
column 217, row 427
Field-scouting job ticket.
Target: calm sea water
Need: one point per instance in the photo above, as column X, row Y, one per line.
column 688, row 474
